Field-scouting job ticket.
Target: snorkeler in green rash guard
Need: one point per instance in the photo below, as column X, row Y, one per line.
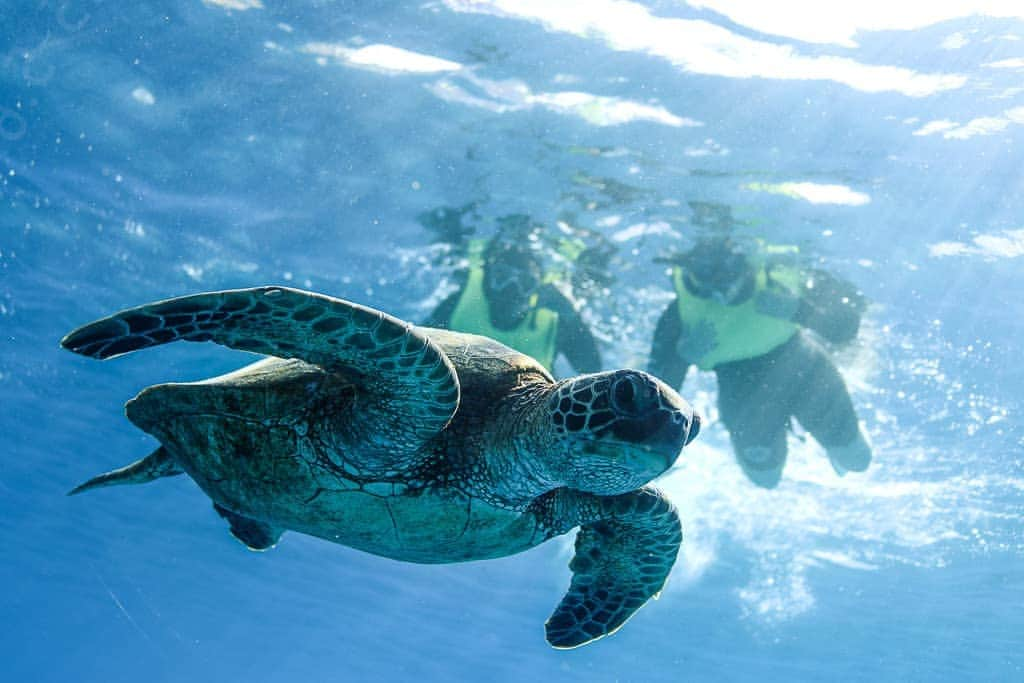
column 505, row 295
column 744, row 317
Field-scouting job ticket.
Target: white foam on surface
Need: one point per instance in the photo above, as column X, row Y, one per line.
column 814, row 21
column 509, row 95
column 381, row 57
column 702, row 47
column 815, row 193
column 1006, row 244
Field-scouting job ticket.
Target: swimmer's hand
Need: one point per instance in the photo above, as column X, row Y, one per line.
column 696, row 342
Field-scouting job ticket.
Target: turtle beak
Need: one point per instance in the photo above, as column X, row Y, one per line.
column 694, row 429
column 677, row 430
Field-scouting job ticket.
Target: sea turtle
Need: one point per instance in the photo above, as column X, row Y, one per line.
column 413, row 443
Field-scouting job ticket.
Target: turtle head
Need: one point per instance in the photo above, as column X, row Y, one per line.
column 620, row 429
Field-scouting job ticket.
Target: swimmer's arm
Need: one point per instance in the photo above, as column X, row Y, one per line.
column 836, row 322
column 442, row 315
column 821, row 308
column 573, row 337
column 665, row 362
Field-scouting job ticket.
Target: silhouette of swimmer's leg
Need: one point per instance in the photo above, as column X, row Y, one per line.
column 754, row 401
column 762, row 461
column 826, row 411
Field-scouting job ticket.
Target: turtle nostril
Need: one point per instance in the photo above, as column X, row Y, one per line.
column 694, row 429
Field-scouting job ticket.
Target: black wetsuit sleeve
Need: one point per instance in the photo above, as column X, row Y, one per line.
column 665, row 362
column 573, row 337
column 442, row 315
column 836, row 321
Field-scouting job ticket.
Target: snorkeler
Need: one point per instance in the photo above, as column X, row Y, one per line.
column 506, row 295
column 745, row 317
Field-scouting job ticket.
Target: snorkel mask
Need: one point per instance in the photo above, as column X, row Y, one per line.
column 512, row 271
column 716, row 269
column 511, row 278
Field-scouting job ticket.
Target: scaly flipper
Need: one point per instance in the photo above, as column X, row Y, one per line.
column 623, row 556
column 413, row 381
column 157, row 464
column 254, row 534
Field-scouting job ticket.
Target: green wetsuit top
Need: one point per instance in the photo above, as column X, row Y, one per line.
column 741, row 332
column 534, row 336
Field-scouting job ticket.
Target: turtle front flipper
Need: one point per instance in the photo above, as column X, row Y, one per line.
column 623, row 557
column 416, row 384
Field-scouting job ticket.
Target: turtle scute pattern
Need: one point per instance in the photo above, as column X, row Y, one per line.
column 608, row 402
column 395, row 361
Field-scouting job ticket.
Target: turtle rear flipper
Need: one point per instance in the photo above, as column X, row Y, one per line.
column 622, row 559
column 414, row 381
column 157, row 464
column 254, row 534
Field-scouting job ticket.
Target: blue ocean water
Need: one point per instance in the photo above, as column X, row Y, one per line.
column 149, row 150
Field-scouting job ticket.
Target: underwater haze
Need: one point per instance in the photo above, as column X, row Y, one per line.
column 155, row 149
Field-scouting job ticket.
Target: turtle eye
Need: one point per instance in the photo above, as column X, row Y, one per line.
column 624, row 395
